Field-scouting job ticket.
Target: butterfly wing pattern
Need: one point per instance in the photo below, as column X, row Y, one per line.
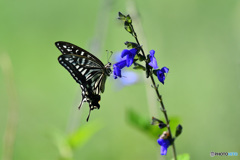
column 87, row 70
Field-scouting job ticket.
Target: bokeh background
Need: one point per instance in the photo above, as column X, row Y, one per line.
column 198, row 40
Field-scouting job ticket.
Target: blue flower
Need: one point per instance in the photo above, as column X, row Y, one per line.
column 164, row 143
column 130, row 77
column 129, row 54
column 153, row 61
column 117, row 68
column 161, row 75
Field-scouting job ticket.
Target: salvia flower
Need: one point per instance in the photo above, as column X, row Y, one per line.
column 117, row 68
column 153, row 61
column 161, row 74
column 129, row 54
column 164, row 142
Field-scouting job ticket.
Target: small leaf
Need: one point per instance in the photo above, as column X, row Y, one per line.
column 121, row 16
column 129, row 19
column 158, row 122
column 141, row 57
column 131, row 45
column 139, row 67
column 148, row 59
column 143, row 124
column 162, row 125
column 127, row 27
column 147, row 70
column 156, row 86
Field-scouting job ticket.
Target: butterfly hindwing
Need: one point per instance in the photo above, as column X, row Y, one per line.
column 87, row 70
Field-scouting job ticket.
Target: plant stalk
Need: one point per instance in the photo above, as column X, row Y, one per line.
column 162, row 108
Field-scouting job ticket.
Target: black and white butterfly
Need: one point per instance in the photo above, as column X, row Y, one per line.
column 87, row 70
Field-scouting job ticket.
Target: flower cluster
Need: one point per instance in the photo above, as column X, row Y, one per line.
column 128, row 56
column 135, row 54
column 160, row 73
column 128, row 59
column 165, row 140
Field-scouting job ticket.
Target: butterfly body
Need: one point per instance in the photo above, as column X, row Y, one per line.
column 87, row 70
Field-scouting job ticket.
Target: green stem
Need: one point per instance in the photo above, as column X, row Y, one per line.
column 162, row 108
column 165, row 115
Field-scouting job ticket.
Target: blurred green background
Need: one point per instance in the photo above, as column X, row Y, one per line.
column 198, row 40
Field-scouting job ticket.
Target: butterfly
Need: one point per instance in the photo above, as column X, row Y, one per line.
column 87, row 70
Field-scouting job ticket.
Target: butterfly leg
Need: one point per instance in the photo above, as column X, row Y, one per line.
column 84, row 99
column 89, row 114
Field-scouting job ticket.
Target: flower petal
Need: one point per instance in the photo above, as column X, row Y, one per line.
column 161, row 75
column 164, row 143
column 152, row 52
column 120, row 64
column 129, row 54
column 117, row 73
column 165, row 70
column 153, row 61
column 129, row 60
column 163, row 151
column 117, row 68
column 125, row 52
column 133, row 51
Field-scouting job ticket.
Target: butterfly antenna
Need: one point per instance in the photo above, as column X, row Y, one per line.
column 111, row 53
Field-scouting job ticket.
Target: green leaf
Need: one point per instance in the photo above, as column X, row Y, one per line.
column 121, row 16
column 83, row 134
column 139, row 67
column 158, row 122
column 184, row 156
column 143, row 124
column 148, row 70
column 128, row 27
column 141, row 57
column 131, row 45
column 67, row 143
column 129, row 19
column 64, row 149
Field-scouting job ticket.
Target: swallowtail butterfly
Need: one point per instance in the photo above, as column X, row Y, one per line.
column 87, row 70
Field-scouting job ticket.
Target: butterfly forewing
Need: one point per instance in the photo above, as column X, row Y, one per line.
column 68, row 48
column 87, row 70
column 83, row 70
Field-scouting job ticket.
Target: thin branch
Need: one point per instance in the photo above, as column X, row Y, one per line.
column 162, row 108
